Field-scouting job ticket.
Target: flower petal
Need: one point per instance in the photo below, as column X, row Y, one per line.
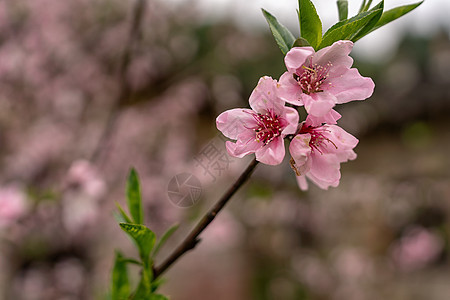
column 321, row 183
column 296, row 57
column 242, row 148
column 272, row 153
column 319, row 104
column 342, row 138
column 329, row 118
column 300, row 151
column 345, row 156
column 234, row 121
column 325, row 168
column 302, row 183
column 289, row 90
column 264, row 97
column 291, row 119
column 350, row 86
column 336, row 54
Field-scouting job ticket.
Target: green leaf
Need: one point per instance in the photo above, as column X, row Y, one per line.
column 395, row 13
column 367, row 6
column 346, row 29
column 310, row 24
column 134, row 200
column 120, row 284
column 342, row 9
column 373, row 21
column 282, row 35
column 363, row 5
column 131, row 261
column 143, row 237
column 123, row 214
column 144, row 289
column 164, row 238
column 344, row 22
column 301, row 42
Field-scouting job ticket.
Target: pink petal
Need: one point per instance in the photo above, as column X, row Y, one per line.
column 264, row 97
column 336, row 54
column 350, row 86
column 234, row 121
column 272, row 153
column 291, row 117
column 325, row 168
column 319, row 104
column 296, row 57
column 300, row 151
column 342, row 138
column 335, row 71
column 322, row 183
column 301, row 180
column 345, row 156
column 241, row 149
column 289, row 90
column 329, row 118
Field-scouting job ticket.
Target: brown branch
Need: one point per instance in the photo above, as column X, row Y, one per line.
column 192, row 239
column 124, row 88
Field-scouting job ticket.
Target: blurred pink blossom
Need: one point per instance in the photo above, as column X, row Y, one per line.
column 259, row 130
column 84, row 175
column 84, row 189
column 417, row 248
column 13, row 204
column 320, row 80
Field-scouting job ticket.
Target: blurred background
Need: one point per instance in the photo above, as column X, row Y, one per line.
column 90, row 88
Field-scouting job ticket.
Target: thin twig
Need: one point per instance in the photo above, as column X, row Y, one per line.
column 192, row 239
column 124, row 88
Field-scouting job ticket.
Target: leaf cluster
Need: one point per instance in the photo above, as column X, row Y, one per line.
column 147, row 246
column 364, row 22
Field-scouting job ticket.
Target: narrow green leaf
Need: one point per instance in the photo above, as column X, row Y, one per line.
column 310, row 24
column 372, row 22
column 345, row 30
column 395, row 13
column 120, row 289
column 143, row 237
column 342, row 9
column 282, row 35
column 134, row 200
column 363, row 5
column 366, row 8
column 342, row 23
column 123, row 214
column 301, row 42
column 131, row 261
column 164, row 238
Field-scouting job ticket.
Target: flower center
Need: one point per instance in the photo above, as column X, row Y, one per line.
column 311, row 77
column 318, row 140
column 268, row 127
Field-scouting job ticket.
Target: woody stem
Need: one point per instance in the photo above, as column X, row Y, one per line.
column 192, row 239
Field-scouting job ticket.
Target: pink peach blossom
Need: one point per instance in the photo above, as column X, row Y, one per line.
column 84, row 175
column 318, row 151
column 417, row 248
column 320, row 80
column 13, row 204
column 259, row 130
